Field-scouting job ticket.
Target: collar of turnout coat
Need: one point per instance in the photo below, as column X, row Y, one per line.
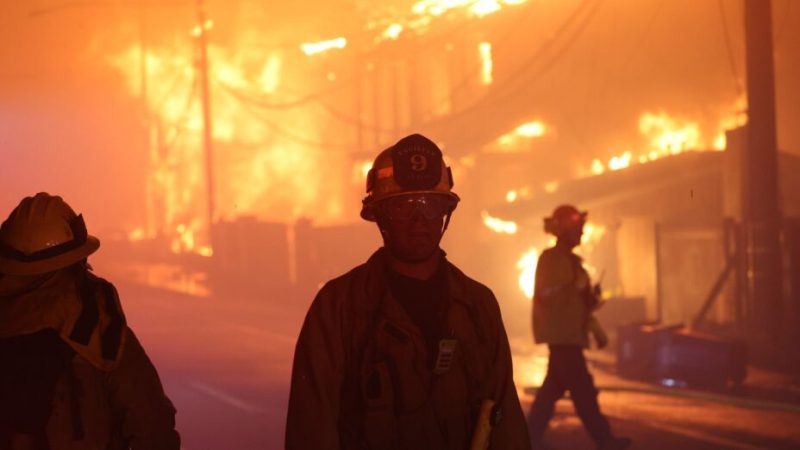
column 378, row 270
column 86, row 313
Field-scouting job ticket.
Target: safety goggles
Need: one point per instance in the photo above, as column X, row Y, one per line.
column 403, row 207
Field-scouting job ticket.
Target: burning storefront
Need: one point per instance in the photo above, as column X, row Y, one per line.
column 671, row 234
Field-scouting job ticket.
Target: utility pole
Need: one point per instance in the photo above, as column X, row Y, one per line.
column 761, row 210
column 202, row 28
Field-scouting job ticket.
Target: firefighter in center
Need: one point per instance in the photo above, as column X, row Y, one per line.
column 563, row 302
column 405, row 351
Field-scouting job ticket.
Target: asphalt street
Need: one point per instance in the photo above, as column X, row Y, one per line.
column 226, row 364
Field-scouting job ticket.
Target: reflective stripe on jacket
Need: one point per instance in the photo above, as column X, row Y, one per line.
column 361, row 379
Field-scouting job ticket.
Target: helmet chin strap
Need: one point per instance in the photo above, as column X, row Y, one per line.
column 447, row 221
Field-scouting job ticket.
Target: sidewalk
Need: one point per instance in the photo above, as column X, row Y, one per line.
column 762, row 389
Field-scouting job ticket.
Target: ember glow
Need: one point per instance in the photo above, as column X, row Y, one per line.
column 667, row 135
column 531, row 129
column 485, row 51
column 527, row 271
column 498, row 225
column 424, row 12
column 478, row 8
column 514, row 140
column 313, row 48
column 393, row 31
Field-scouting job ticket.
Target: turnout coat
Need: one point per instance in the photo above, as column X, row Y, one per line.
column 362, row 379
column 74, row 376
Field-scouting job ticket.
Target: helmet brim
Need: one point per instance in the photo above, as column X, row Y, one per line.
column 368, row 204
column 11, row 266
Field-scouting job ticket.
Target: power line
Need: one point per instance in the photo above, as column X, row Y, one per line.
column 530, row 62
column 729, row 50
column 279, row 131
column 499, row 95
column 311, row 99
column 464, row 81
column 265, row 104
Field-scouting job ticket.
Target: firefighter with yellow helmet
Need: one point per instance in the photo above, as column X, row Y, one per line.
column 405, row 351
column 73, row 374
column 563, row 301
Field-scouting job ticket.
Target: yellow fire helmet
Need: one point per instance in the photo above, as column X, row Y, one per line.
column 43, row 234
column 414, row 165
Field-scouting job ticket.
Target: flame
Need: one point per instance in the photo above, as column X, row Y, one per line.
column 267, row 163
column 551, row 187
column 360, row 171
column 620, row 162
column 516, row 194
column 592, row 235
column 527, row 271
column 597, row 167
column 667, row 135
column 478, row 8
column 313, row 48
column 393, row 31
column 507, row 143
column 735, row 119
column 422, row 13
column 498, row 225
column 531, row 129
column 485, row 50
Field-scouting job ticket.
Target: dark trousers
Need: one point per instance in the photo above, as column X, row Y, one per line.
column 566, row 371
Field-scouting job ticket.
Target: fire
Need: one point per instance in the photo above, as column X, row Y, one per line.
column 733, row 120
column 667, row 135
column 620, row 162
column 393, row 31
column 531, row 129
column 268, row 163
column 528, row 130
column 485, row 51
column 313, row 48
column 592, row 235
column 424, row 12
column 360, row 171
column 527, row 271
column 478, row 8
column 597, row 167
column 516, row 194
column 498, row 225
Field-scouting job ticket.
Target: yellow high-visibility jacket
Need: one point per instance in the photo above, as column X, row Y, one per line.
column 361, row 377
column 560, row 315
